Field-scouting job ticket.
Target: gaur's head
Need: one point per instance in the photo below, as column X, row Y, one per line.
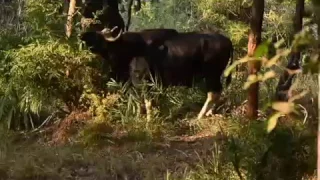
column 98, row 41
column 94, row 40
column 108, row 34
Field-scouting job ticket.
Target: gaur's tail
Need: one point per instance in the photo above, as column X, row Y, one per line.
column 229, row 77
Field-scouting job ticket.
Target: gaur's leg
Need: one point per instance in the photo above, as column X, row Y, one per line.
column 148, row 106
column 139, row 71
column 214, row 87
column 211, row 98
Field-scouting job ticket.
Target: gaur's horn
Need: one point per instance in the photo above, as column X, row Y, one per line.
column 114, row 28
column 108, row 37
column 105, row 31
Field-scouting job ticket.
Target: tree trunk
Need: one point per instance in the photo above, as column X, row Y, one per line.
column 254, row 66
column 285, row 82
column 318, row 149
column 129, row 14
column 72, row 8
column 317, row 17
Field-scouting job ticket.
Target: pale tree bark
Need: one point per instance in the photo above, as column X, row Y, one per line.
column 254, row 66
column 285, row 82
column 71, row 12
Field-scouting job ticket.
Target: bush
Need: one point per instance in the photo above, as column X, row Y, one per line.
column 40, row 70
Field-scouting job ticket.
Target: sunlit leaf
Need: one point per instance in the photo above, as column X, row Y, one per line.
column 252, row 78
column 273, row 60
column 234, row 64
column 272, row 121
column 279, row 43
column 298, row 96
column 268, row 75
column 283, row 107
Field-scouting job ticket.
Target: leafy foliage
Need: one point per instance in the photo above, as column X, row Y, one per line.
column 303, row 41
column 40, row 71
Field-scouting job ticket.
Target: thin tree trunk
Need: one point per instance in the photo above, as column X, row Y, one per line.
column 129, row 14
column 285, row 82
column 317, row 14
column 254, row 66
column 72, row 8
column 318, row 150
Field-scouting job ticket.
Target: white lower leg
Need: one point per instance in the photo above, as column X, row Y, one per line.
column 206, row 105
column 142, row 107
column 215, row 98
column 147, row 103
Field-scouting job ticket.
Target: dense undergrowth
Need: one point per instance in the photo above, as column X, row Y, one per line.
column 51, row 86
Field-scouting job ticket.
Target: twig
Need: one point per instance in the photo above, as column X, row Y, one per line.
column 49, row 118
column 305, row 113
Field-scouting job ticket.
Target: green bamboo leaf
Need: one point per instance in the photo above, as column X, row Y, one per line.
column 262, row 49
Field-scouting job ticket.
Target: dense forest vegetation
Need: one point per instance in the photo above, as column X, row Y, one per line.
column 62, row 117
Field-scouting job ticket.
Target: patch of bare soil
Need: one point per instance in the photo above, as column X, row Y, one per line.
column 69, row 126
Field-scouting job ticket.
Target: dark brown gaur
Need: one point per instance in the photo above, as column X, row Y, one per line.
column 186, row 56
column 119, row 50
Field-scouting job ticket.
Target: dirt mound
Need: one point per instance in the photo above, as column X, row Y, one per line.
column 69, row 126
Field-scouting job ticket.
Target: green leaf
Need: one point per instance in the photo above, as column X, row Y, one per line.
column 262, row 49
column 272, row 122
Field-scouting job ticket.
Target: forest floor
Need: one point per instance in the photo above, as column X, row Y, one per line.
column 218, row 147
column 208, row 153
column 123, row 159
